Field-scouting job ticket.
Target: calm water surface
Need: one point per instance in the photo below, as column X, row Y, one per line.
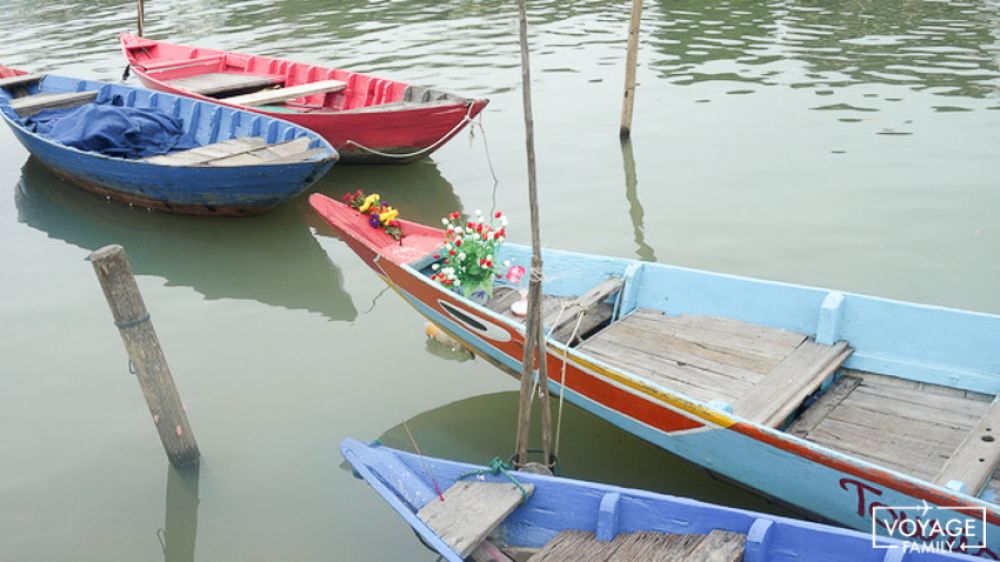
column 855, row 146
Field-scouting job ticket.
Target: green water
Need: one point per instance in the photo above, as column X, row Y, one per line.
column 855, row 147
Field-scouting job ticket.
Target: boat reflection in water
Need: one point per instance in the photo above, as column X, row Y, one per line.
column 272, row 259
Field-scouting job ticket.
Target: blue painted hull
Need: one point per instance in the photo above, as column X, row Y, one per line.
column 407, row 482
column 210, row 190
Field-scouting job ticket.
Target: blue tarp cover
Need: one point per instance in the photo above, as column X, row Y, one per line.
column 109, row 128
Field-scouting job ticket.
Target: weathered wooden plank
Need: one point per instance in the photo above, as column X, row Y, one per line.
column 918, row 398
column 267, row 154
column 977, row 456
column 654, row 547
column 209, row 152
column 697, row 383
column 20, row 80
column 213, row 83
column 289, row 93
column 809, row 419
column 902, row 453
column 879, row 419
column 779, row 393
column 574, row 546
column 470, row 511
column 30, row 105
column 718, row 546
column 742, row 344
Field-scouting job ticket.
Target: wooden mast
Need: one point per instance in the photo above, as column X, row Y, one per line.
column 141, row 16
column 534, row 341
column 630, row 62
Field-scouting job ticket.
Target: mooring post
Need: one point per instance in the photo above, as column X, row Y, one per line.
column 141, row 16
column 145, row 356
column 630, row 62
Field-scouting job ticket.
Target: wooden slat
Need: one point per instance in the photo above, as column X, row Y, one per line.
column 209, row 152
column 718, row 546
column 30, row 105
column 213, row 83
column 268, row 154
column 978, row 455
column 562, row 321
column 778, row 394
column 289, row 93
column 20, row 80
column 820, row 409
column 470, row 511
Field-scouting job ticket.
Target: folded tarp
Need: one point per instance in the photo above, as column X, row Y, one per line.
column 109, row 128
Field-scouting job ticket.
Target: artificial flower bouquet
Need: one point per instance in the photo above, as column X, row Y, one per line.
column 380, row 214
column 470, row 265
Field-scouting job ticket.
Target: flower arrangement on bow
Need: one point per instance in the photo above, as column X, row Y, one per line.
column 471, row 247
column 380, row 214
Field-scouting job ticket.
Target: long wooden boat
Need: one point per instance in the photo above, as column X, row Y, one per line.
column 491, row 513
column 841, row 404
column 242, row 163
column 366, row 118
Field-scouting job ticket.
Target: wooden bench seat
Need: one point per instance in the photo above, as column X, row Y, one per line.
column 289, row 93
column 246, row 151
column 217, row 83
column 780, row 392
column 470, row 510
column 30, row 105
column 20, row 80
column 977, row 457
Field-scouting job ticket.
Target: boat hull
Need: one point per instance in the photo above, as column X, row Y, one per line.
column 368, row 134
column 830, row 484
column 200, row 190
column 408, row 483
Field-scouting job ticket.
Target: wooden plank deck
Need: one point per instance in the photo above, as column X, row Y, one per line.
column 576, row 546
column 911, row 427
column 978, row 455
column 20, row 80
column 470, row 511
column 215, row 83
column 244, row 151
column 704, row 357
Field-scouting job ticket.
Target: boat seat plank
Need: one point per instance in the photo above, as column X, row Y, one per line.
column 647, row 546
column 597, row 315
column 30, row 105
column 216, row 83
column 244, row 151
column 781, row 392
column 978, row 455
column 562, row 321
column 20, row 80
column 289, row 93
column 470, row 511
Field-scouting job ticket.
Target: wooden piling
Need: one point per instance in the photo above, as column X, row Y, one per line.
column 147, row 359
column 534, row 343
column 141, row 16
column 631, row 60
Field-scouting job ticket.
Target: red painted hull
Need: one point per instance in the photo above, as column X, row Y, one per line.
column 360, row 117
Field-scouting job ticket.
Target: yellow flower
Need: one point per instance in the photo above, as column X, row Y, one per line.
column 369, row 201
column 387, row 216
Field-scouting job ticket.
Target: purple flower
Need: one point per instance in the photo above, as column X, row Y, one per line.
column 373, row 221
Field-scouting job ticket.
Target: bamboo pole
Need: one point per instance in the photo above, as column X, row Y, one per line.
column 141, row 16
column 630, row 63
column 130, row 315
column 534, row 342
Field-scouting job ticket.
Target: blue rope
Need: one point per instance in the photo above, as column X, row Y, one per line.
column 496, row 467
column 131, row 323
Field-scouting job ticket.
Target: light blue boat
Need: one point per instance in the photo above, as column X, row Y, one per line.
column 240, row 163
column 854, row 409
column 548, row 518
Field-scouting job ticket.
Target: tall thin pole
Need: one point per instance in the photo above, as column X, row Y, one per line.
column 630, row 62
column 141, row 16
column 534, row 342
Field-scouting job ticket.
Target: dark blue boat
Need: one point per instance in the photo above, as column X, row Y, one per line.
column 491, row 513
column 219, row 161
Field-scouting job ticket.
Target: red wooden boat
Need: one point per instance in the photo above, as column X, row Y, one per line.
column 367, row 119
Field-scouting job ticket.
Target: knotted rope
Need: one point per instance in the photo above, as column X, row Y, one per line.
column 497, row 467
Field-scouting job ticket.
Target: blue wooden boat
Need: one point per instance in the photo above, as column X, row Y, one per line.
column 845, row 406
column 490, row 513
column 236, row 162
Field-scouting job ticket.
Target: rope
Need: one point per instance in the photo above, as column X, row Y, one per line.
column 465, row 120
column 132, row 323
column 496, row 467
column 562, row 379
